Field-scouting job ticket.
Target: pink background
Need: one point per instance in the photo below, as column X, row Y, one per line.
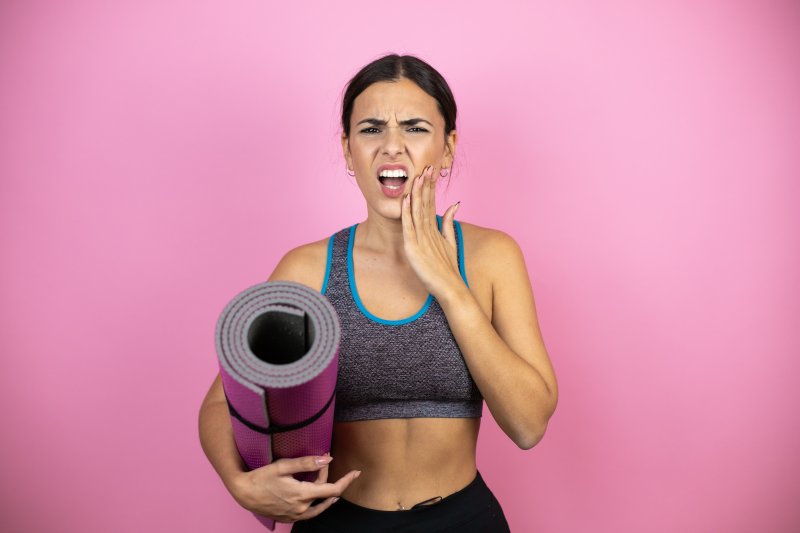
column 158, row 157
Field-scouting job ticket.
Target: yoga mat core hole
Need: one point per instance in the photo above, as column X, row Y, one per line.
column 281, row 337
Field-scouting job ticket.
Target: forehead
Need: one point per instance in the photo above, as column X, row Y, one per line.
column 403, row 98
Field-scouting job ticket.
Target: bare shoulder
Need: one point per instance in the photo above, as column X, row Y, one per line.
column 489, row 251
column 304, row 264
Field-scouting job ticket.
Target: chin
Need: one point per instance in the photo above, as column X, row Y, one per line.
column 396, row 214
column 393, row 212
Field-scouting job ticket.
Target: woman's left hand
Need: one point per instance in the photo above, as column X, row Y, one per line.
column 431, row 253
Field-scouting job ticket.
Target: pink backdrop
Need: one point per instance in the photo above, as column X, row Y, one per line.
column 158, row 157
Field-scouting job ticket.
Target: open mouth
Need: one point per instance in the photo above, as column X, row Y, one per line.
column 393, row 179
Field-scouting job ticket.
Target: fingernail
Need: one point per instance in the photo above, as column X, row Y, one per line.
column 335, row 499
column 322, row 461
column 358, row 473
column 458, row 204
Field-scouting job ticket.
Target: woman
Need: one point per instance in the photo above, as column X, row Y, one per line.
column 437, row 316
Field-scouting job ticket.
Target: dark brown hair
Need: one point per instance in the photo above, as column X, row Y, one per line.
column 393, row 67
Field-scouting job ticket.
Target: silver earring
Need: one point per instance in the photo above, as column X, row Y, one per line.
column 351, row 172
column 444, row 172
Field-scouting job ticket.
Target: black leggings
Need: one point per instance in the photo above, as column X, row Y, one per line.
column 473, row 509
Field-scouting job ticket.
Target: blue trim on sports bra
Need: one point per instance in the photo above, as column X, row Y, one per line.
column 357, row 299
column 328, row 265
column 461, row 266
column 460, row 246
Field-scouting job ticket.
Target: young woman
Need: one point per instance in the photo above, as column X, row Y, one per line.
column 437, row 317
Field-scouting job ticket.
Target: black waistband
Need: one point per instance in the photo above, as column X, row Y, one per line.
column 471, row 509
column 477, row 485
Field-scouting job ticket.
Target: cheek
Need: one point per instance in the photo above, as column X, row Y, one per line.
column 427, row 147
column 362, row 150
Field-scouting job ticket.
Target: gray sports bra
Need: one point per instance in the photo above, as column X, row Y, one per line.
column 404, row 368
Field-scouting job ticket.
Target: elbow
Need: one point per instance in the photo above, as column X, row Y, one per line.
column 527, row 444
column 528, row 437
column 528, row 440
column 527, row 434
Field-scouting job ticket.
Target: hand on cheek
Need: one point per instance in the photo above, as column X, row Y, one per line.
column 431, row 253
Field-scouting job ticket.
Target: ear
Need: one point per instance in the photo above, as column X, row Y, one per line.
column 450, row 149
column 346, row 151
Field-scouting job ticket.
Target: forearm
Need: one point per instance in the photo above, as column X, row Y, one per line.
column 216, row 438
column 515, row 392
column 270, row 490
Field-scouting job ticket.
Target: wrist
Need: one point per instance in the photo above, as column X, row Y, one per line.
column 457, row 297
column 236, row 483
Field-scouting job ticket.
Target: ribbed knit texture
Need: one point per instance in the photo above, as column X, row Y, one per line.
column 406, row 370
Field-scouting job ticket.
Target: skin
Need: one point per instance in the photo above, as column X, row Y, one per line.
column 399, row 257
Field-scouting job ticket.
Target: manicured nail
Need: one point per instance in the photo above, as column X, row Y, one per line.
column 358, row 473
column 335, row 499
column 322, row 461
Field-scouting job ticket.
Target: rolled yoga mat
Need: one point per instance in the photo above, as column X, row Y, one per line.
column 278, row 349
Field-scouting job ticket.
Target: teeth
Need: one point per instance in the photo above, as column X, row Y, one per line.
column 393, row 173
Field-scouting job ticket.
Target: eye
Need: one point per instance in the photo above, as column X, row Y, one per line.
column 370, row 131
column 415, row 129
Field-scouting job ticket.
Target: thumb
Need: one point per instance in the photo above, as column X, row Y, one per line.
column 447, row 223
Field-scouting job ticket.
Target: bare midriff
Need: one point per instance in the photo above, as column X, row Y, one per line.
column 404, row 461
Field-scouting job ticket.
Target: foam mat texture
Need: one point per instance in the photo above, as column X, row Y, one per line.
column 278, row 349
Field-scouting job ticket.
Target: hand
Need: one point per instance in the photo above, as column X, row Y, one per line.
column 431, row 253
column 271, row 490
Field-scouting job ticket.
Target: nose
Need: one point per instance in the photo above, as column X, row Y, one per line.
column 393, row 141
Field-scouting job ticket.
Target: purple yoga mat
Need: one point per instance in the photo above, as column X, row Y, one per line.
column 278, row 349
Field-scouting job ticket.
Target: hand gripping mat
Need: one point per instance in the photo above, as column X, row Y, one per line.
column 278, row 349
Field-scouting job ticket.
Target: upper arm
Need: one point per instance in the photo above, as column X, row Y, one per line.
column 304, row 264
column 215, row 392
column 513, row 307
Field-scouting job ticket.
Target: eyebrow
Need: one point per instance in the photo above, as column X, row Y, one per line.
column 379, row 122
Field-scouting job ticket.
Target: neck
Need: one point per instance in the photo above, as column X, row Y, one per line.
column 383, row 235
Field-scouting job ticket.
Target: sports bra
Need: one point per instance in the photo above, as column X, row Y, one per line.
column 405, row 368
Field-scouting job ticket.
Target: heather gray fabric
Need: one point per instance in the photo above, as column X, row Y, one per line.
column 395, row 369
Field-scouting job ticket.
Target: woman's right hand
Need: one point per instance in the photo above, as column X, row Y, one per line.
column 273, row 492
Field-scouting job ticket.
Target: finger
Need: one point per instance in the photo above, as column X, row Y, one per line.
column 326, row 490
column 432, row 198
column 409, row 233
column 416, row 200
column 428, row 205
column 406, row 217
column 447, row 224
column 322, row 475
column 309, row 463
column 314, row 510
